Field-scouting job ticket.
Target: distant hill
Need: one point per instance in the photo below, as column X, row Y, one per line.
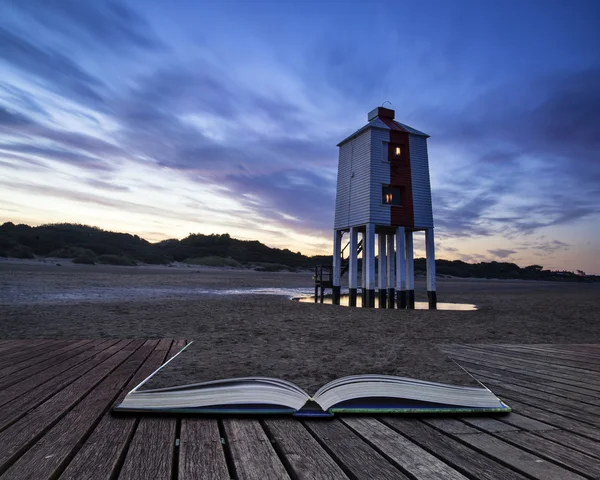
column 85, row 244
column 93, row 245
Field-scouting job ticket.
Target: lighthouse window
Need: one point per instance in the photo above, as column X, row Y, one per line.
column 397, row 152
column 391, row 195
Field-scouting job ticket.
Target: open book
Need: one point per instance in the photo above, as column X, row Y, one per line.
column 170, row 389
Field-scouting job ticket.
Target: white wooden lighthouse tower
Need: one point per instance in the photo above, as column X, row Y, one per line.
column 383, row 191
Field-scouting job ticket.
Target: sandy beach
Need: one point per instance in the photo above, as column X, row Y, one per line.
column 246, row 321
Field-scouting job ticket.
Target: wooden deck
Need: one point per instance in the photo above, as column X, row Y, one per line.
column 55, row 422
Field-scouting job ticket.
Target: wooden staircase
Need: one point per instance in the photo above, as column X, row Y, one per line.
column 323, row 276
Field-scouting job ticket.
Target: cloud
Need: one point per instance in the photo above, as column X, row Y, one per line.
column 108, row 23
column 12, row 119
column 111, row 187
column 53, row 69
column 65, row 156
column 502, row 253
column 544, row 248
column 301, row 200
column 532, row 163
column 22, row 99
column 64, row 145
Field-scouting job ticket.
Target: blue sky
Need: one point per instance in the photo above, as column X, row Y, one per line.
column 166, row 118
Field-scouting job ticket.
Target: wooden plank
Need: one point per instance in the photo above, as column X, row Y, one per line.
column 103, row 452
column 506, row 363
column 22, row 434
column 574, row 411
column 537, row 365
column 572, row 440
column 18, row 388
column 26, row 367
column 451, row 451
column 549, row 375
column 535, row 382
column 539, row 446
column 201, row 454
column 27, row 351
column 153, row 459
column 592, row 351
column 522, row 461
column 158, row 436
column 8, row 345
column 487, row 424
column 526, row 423
column 557, row 420
column 546, row 357
column 559, row 454
column 354, row 455
column 23, row 345
column 569, row 353
column 404, row 453
column 532, row 394
column 12, row 411
column 450, row 425
column 251, row 451
column 48, row 456
column 306, row 458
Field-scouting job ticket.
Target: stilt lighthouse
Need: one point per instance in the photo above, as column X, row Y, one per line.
column 383, row 194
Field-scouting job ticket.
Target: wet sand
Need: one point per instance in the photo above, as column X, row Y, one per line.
column 270, row 332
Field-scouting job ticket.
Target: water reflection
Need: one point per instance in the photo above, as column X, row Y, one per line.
column 344, row 300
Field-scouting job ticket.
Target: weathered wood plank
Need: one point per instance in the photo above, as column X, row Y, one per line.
column 150, row 454
column 49, row 455
column 559, row 454
column 450, row 425
column 307, row 459
column 158, row 455
column 27, row 367
column 537, row 383
column 17, row 389
column 522, row 461
column 28, row 351
column 354, row 455
column 526, row 423
column 20, row 435
column 532, row 394
column 8, row 345
column 451, row 451
column 589, row 381
column 490, row 425
column 547, row 358
column 557, row 420
column 101, row 455
column 573, row 411
column 572, row 440
column 253, row 455
column 404, row 453
column 12, row 411
column 570, row 354
column 514, row 359
column 201, row 454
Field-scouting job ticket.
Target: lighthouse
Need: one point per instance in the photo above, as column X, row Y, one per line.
column 383, row 196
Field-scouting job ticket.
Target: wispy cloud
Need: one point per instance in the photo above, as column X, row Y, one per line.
column 114, row 88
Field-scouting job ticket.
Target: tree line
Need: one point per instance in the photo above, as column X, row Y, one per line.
column 86, row 244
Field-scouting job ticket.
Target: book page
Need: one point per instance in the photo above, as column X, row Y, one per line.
column 310, row 365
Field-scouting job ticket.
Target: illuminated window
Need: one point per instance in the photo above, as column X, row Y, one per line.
column 397, row 151
column 391, row 195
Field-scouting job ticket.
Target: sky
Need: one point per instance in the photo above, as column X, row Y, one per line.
column 165, row 118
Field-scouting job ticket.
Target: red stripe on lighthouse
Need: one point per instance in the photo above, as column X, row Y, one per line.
column 400, row 176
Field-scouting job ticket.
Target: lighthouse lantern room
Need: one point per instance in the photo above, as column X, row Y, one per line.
column 383, row 194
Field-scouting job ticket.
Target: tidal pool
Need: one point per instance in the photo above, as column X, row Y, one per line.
column 345, row 299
